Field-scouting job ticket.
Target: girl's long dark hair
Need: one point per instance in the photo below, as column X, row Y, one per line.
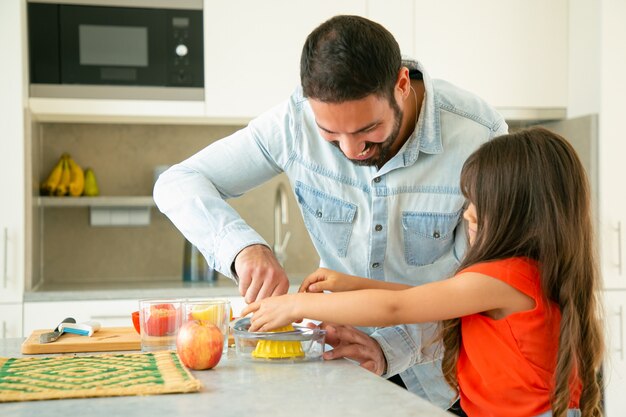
column 532, row 199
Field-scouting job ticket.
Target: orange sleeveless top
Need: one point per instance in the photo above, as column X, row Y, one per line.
column 506, row 367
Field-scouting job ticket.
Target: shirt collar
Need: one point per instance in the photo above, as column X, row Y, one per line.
column 427, row 134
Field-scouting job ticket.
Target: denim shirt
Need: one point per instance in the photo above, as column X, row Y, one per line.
column 399, row 223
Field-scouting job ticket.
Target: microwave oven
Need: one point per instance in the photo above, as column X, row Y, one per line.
column 91, row 49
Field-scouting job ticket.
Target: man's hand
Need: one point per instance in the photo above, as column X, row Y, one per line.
column 351, row 343
column 260, row 274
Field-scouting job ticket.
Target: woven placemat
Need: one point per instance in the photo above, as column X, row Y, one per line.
column 26, row 379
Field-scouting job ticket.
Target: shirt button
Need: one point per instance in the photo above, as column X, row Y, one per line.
column 377, row 179
column 436, row 235
column 375, row 265
column 318, row 213
column 378, row 228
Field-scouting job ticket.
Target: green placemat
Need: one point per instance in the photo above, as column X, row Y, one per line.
column 26, row 379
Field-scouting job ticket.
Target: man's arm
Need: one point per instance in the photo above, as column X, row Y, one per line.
column 192, row 195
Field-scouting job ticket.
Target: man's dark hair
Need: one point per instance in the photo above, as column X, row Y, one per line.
column 348, row 58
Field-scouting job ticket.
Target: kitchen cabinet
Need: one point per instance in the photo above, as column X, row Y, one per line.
column 612, row 146
column 493, row 54
column 10, row 320
column 109, row 313
column 615, row 364
column 514, row 54
column 12, row 149
column 259, row 64
column 398, row 20
column 612, row 86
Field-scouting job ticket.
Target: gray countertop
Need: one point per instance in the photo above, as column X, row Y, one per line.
column 223, row 287
column 80, row 291
column 239, row 388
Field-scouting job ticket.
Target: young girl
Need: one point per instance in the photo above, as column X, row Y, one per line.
column 521, row 331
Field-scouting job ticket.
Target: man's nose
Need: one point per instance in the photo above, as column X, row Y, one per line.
column 351, row 147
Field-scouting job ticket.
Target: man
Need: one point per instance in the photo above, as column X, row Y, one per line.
column 373, row 148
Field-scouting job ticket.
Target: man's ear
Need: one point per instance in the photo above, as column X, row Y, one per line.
column 403, row 83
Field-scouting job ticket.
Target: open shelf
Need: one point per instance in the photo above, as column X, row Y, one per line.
column 102, row 201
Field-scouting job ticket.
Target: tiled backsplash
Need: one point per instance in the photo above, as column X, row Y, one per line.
column 123, row 158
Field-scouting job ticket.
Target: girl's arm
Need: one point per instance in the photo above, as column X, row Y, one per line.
column 462, row 295
column 327, row 280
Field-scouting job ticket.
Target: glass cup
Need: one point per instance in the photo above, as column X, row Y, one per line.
column 210, row 310
column 159, row 321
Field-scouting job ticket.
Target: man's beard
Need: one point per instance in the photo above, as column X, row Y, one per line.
column 384, row 147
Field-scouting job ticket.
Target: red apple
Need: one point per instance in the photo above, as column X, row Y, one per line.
column 199, row 345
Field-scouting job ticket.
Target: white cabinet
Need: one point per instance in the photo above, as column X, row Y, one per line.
column 398, row 20
column 252, row 50
column 10, row 320
column 612, row 145
column 613, row 256
column 109, row 313
column 615, row 364
column 512, row 53
column 12, row 168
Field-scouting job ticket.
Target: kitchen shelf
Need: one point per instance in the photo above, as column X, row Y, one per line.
column 71, row 110
column 102, row 201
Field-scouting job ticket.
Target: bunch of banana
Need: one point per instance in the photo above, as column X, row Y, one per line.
column 66, row 178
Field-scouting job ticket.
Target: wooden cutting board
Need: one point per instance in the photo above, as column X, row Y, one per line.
column 106, row 339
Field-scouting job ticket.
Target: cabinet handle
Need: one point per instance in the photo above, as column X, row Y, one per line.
column 5, row 267
column 618, row 229
column 4, row 329
column 622, row 348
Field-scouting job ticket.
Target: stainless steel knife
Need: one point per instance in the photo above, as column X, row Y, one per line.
column 56, row 333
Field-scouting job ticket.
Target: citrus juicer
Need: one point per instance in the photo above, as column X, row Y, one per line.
column 293, row 343
column 273, row 349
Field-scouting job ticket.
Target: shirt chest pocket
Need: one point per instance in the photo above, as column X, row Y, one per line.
column 428, row 236
column 328, row 219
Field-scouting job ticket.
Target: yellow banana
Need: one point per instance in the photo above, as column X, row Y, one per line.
column 77, row 178
column 64, row 183
column 50, row 184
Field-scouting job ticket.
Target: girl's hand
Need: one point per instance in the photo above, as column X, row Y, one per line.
column 327, row 280
column 272, row 313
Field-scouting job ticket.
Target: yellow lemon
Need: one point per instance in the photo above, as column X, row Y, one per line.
column 210, row 313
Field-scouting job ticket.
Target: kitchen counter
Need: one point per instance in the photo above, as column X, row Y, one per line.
column 240, row 389
column 80, row 291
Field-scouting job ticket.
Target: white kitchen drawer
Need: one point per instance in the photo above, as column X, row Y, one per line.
column 10, row 320
column 109, row 313
column 46, row 315
column 615, row 364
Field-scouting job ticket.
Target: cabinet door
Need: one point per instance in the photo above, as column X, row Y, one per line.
column 12, row 171
column 109, row 313
column 512, row 53
column 397, row 19
column 10, row 320
column 615, row 365
column 612, row 144
column 612, row 231
column 252, row 50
